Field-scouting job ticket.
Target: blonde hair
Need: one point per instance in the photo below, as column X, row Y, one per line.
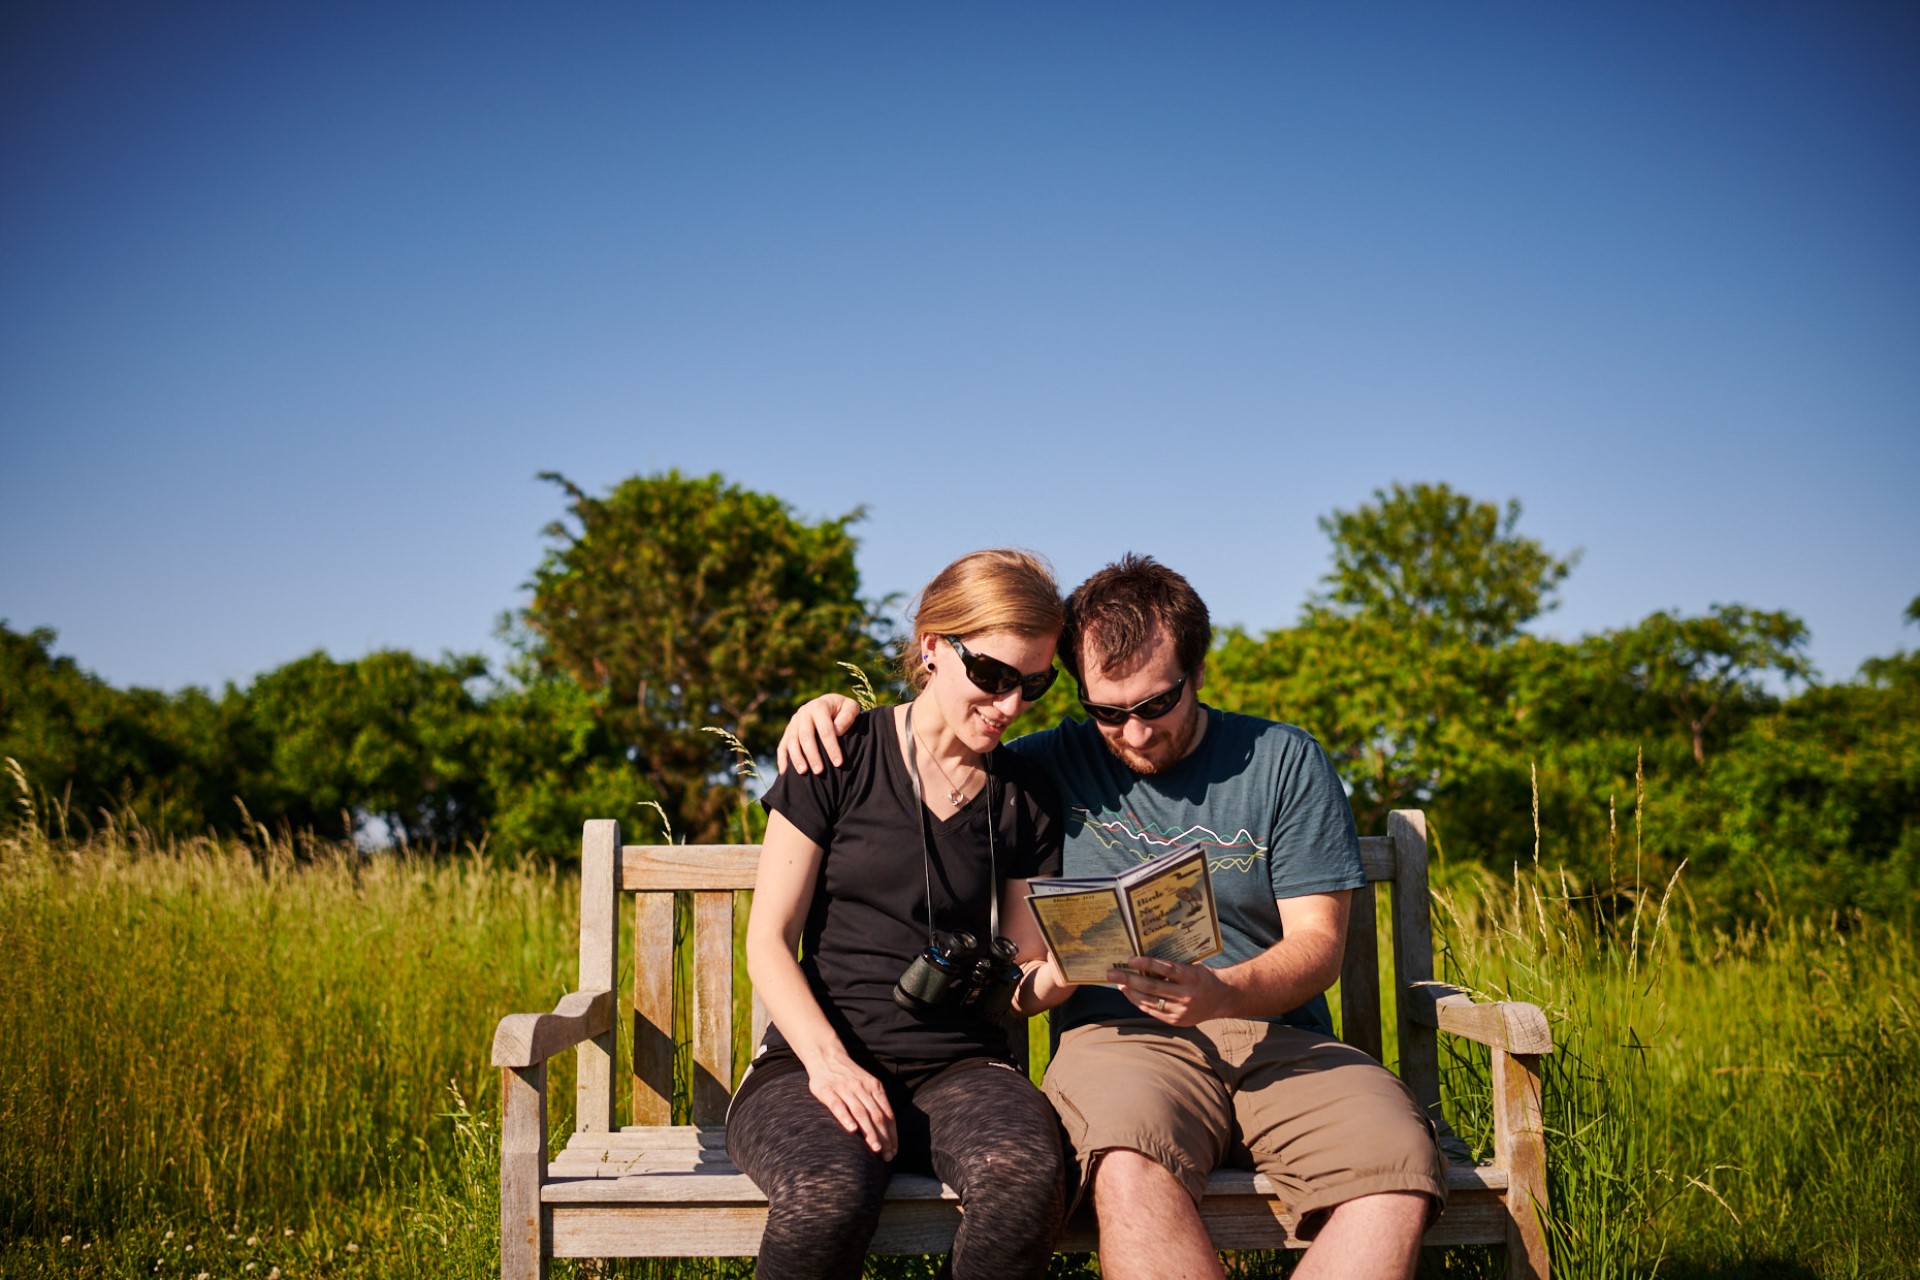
column 1003, row 589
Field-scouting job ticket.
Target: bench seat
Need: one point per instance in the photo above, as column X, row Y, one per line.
column 671, row 1191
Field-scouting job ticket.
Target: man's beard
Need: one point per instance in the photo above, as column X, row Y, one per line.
column 1172, row 749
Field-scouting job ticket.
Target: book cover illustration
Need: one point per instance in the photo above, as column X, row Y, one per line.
column 1163, row 908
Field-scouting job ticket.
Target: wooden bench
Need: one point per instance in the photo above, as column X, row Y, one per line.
column 654, row 1189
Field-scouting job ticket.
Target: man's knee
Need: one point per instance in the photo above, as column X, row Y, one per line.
column 1124, row 1179
column 1401, row 1207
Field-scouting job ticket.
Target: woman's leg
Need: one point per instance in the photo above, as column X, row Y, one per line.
column 823, row 1186
column 996, row 1141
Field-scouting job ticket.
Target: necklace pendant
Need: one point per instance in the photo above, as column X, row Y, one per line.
column 955, row 798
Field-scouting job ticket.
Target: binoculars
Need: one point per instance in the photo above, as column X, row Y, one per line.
column 956, row 972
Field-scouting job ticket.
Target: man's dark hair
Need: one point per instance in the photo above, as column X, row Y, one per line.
column 1111, row 615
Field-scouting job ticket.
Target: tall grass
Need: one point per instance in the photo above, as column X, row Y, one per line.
column 1718, row 1104
column 207, row 1046
column 221, row 1031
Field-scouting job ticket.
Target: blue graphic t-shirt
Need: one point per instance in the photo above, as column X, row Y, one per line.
column 1261, row 797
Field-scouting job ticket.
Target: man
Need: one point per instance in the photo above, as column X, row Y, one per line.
column 1179, row 1068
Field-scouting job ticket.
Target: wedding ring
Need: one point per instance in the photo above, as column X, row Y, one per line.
column 1161, row 1005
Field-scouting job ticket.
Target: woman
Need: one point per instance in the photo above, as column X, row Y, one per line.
column 892, row 875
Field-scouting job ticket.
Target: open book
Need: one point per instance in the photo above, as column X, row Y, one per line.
column 1162, row 909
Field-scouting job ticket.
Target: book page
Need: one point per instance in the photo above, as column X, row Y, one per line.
column 1175, row 914
column 1085, row 932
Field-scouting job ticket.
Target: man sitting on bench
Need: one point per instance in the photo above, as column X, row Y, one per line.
column 1178, row 1069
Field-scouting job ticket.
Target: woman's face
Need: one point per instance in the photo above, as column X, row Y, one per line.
column 974, row 715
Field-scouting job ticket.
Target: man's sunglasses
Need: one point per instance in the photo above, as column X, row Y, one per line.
column 1147, row 708
column 990, row 675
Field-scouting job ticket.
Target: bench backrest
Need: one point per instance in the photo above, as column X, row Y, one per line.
column 714, row 874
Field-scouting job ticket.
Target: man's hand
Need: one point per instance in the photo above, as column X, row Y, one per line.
column 812, row 739
column 1303, row 964
column 1180, row 995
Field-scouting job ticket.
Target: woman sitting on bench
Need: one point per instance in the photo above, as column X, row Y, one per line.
column 901, row 877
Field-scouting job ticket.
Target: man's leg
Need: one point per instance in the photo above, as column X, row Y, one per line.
column 1147, row 1118
column 1344, row 1142
column 1149, row 1225
column 1377, row 1235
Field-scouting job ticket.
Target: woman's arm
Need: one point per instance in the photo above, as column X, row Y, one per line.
column 783, row 890
column 1041, row 984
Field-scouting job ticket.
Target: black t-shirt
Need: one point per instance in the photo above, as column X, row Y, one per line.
column 868, row 917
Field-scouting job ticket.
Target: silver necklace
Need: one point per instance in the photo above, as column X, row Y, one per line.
column 955, row 796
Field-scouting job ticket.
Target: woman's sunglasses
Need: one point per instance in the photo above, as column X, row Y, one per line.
column 1147, row 708
column 990, row 675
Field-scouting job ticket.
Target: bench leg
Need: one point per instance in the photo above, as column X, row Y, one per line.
column 523, row 1166
column 1520, row 1148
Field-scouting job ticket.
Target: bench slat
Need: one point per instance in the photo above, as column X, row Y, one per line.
column 712, row 1006
column 688, row 1163
column 599, row 969
column 655, row 867
column 652, row 867
column 712, row 1210
column 1360, row 977
column 653, row 1008
column 1377, row 859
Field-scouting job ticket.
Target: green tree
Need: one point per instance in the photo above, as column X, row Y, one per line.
column 1430, row 558
column 388, row 736
column 168, row 761
column 548, row 762
column 1398, row 716
column 1703, row 666
column 693, row 603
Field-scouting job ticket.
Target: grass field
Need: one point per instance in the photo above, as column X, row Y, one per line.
column 268, row 1060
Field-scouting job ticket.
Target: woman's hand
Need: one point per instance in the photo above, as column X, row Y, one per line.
column 857, row 1102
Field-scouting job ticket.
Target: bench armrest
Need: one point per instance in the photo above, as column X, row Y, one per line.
column 526, row 1039
column 1509, row 1025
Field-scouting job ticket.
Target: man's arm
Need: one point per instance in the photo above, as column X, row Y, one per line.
column 1304, row 963
column 812, row 739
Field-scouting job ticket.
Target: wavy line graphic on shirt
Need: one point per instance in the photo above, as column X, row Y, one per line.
column 1238, row 852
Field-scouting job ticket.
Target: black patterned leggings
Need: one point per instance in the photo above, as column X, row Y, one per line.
column 979, row 1126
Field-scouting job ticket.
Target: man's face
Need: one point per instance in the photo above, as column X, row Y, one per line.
column 1148, row 746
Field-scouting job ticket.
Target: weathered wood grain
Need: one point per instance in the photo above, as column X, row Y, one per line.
column 1377, row 861
column 1519, row 1143
column 1413, row 954
column 1510, row 1025
column 688, row 866
column 527, row 1039
column 1360, row 977
column 703, row 1172
column 652, row 1008
column 524, row 1243
column 599, row 969
column 712, row 1006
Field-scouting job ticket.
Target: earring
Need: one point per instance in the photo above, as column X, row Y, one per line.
column 929, row 662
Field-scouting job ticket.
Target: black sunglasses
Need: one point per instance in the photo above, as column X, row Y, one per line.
column 1147, row 708
column 990, row 675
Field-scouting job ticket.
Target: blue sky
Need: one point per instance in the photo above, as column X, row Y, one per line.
column 295, row 300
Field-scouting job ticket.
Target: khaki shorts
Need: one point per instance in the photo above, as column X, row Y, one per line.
column 1324, row 1122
